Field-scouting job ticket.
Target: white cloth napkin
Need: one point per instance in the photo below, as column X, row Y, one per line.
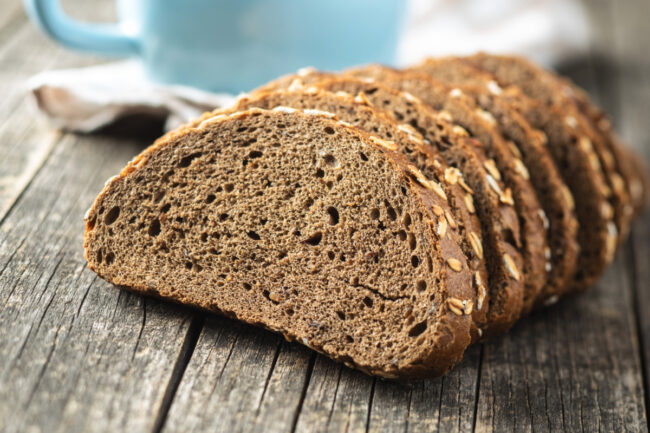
column 86, row 99
column 547, row 31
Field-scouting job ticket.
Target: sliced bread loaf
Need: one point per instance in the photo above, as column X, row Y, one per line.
column 481, row 125
column 574, row 155
column 272, row 217
column 546, row 88
column 530, row 146
column 409, row 143
column 494, row 202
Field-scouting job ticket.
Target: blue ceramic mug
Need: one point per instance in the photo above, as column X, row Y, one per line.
column 233, row 45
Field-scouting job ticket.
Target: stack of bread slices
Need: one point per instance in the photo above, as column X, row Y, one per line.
column 385, row 218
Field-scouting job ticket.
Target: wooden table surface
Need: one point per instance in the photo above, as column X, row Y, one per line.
column 78, row 354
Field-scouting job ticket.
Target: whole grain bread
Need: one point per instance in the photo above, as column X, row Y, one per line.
column 494, row 202
column 409, row 143
column 531, row 145
column 574, row 155
column 291, row 221
column 546, row 88
column 503, row 162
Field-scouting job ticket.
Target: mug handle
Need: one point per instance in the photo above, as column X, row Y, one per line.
column 98, row 38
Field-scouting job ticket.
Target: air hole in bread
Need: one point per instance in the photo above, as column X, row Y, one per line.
column 204, row 237
column 210, row 198
column 412, row 241
column 314, row 239
column 341, row 315
column 320, row 173
column 421, row 286
column 188, row 265
column 334, row 215
column 154, row 228
column 392, row 215
column 99, row 256
column 331, row 161
column 229, row 187
column 329, row 130
column 418, row 329
column 166, row 208
column 223, row 216
column 363, row 156
column 110, row 258
column 349, row 339
column 186, row 161
column 415, row 261
column 309, row 202
column 407, row 220
column 374, row 214
column 112, row 215
column 246, row 286
column 331, row 255
column 402, row 235
column 255, row 154
column 253, row 235
column 367, row 301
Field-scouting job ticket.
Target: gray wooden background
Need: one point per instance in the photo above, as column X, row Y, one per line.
column 77, row 354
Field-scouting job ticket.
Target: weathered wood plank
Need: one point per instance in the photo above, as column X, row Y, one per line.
column 239, row 379
column 76, row 354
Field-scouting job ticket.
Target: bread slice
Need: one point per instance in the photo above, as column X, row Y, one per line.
column 483, row 126
column 575, row 156
column 546, row 88
column 291, row 222
column 531, row 145
column 494, row 202
column 409, row 143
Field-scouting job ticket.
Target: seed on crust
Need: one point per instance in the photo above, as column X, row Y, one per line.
column 456, row 306
column 551, row 300
column 493, row 184
column 506, row 197
column 459, row 130
column 386, row 144
column 491, row 168
column 571, row 121
column 319, row 113
column 606, row 210
column 435, row 186
column 544, row 218
column 296, row 84
column 455, row 93
column 361, row 99
column 445, row 115
column 469, row 203
column 452, row 174
column 482, row 291
column 438, row 210
column 477, row 245
column 511, row 267
column 487, row 116
column 441, row 230
column 494, row 88
column 455, row 264
column 568, row 197
column 513, row 148
column 617, row 183
column 461, row 182
column 451, row 220
column 521, row 169
column 468, row 306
